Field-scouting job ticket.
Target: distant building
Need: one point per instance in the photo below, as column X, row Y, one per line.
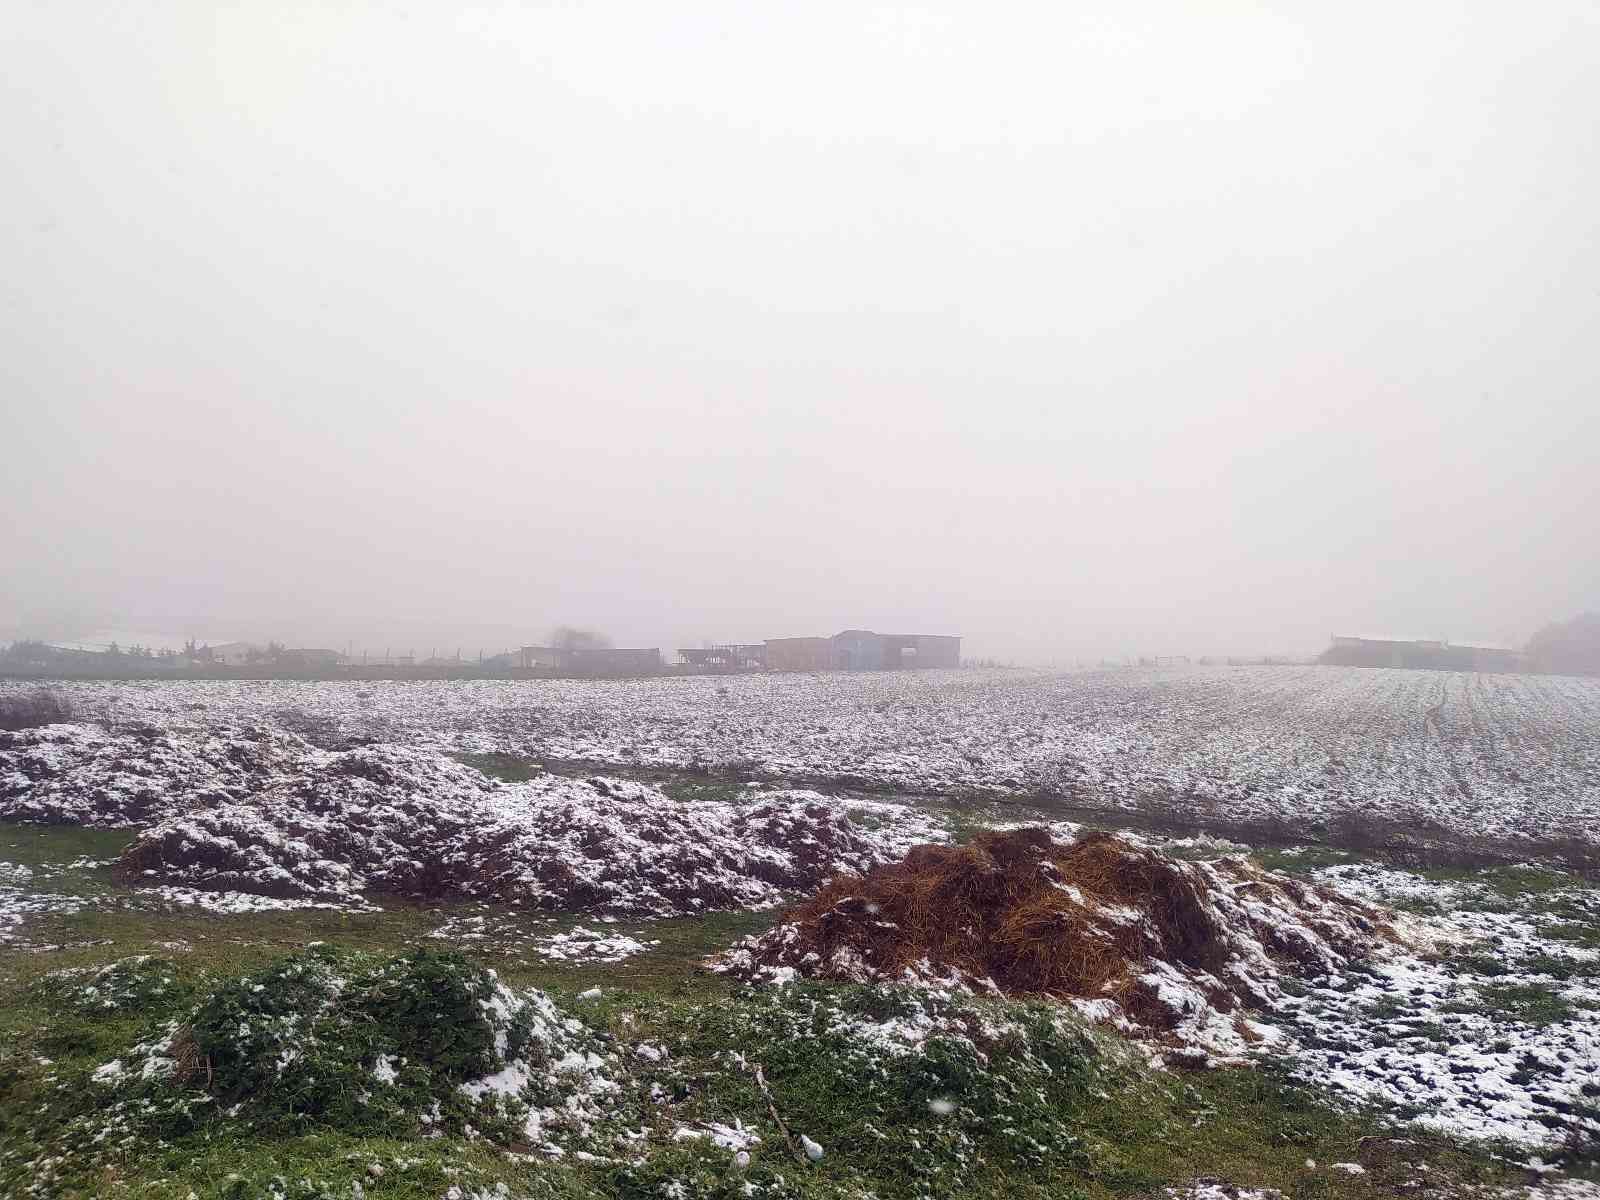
column 863, row 650
column 858, row 650
column 1433, row 654
column 921, row 650
column 732, row 657
column 236, row 654
column 1492, row 658
column 800, row 654
column 530, row 658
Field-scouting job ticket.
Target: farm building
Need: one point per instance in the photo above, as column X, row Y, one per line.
column 527, row 658
column 1422, row 653
column 800, row 654
column 725, row 658
column 858, row 650
column 863, row 650
column 920, row 650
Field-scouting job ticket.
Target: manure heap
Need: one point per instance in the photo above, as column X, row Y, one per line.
column 70, row 774
column 1171, row 951
column 395, row 821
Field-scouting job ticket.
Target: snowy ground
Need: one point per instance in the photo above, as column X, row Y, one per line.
column 23, row 893
column 1482, row 1025
column 28, row 892
column 523, row 934
column 1489, row 1032
column 1484, row 755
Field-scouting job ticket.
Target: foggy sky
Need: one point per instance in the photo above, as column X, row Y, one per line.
column 1075, row 329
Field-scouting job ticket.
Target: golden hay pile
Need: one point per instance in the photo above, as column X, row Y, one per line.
column 1131, row 935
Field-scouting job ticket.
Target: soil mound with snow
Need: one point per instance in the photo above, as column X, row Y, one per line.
column 82, row 775
column 1178, row 951
column 424, row 1042
column 405, row 822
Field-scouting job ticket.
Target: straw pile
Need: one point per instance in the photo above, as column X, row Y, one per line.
column 1154, row 945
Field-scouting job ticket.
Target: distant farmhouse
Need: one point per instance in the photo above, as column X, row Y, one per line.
column 1422, row 653
column 863, row 650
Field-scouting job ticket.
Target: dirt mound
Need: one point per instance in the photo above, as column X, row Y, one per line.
column 82, row 775
column 1178, row 950
column 406, row 822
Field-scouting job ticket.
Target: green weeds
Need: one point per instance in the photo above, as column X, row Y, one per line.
column 1530, row 1003
column 506, row 767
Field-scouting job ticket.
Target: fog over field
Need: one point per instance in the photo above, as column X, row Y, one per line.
column 1074, row 330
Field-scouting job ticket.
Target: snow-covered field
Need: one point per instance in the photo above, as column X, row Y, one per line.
column 1482, row 755
column 253, row 796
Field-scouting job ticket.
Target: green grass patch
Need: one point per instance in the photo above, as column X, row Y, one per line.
column 139, row 985
column 1559, row 966
column 1574, row 907
column 49, row 852
column 687, row 788
column 1578, row 933
column 1527, row 1002
column 1480, row 964
column 965, row 821
column 508, row 768
column 56, row 845
column 1510, row 883
column 1003, row 1100
column 1304, row 860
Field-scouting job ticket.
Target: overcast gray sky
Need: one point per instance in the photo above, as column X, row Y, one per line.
column 1073, row 328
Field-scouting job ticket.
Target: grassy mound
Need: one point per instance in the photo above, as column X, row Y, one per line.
column 1132, row 936
column 136, row 984
column 932, row 1090
column 906, row 1090
column 421, row 1043
column 332, row 1075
